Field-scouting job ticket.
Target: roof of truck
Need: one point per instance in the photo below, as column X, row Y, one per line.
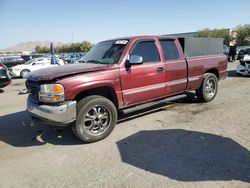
column 141, row 37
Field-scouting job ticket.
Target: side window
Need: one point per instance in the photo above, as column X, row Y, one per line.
column 147, row 50
column 169, row 49
column 38, row 62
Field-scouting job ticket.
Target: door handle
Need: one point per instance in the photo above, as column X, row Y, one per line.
column 160, row 69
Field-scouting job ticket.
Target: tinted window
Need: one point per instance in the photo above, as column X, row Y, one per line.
column 147, row 50
column 170, row 50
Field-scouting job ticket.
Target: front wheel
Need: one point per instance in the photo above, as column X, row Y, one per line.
column 208, row 89
column 24, row 73
column 96, row 118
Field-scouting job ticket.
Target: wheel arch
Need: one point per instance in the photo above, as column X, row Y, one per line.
column 213, row 71
column 105, row 91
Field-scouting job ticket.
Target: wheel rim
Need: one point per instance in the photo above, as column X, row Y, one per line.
column 210, row 88
column 24, row 73
column 97, row 120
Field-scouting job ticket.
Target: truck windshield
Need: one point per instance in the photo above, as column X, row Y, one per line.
column 108, row 52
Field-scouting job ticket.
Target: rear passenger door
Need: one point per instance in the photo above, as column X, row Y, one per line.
column 143, row 82
column 175, row 67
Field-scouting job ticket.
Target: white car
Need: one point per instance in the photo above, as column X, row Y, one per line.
column 243, row 68
column 31, row 65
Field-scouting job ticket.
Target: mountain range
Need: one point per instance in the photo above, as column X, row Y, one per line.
column 30, row 46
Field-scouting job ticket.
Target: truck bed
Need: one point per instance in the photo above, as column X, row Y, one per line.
column 199, row 65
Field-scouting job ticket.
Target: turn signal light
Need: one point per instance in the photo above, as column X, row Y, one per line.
column 58, row 89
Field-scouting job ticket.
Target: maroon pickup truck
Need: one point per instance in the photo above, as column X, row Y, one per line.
column 116, row 75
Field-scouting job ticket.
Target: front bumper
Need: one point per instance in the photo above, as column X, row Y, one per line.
column 61, row 115
column 14, row 73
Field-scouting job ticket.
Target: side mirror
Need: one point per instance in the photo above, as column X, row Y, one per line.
column 135, row 60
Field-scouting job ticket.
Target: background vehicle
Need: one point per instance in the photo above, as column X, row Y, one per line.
column 119, row 74
column 81, row 60
column 5, row 78
column 72, row 58
column 11, row 61
column 32, row 56
column 243, row 52
column 31, row 65
column 226, row 51
column 243, row 68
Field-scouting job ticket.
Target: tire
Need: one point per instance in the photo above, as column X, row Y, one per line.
column 24, row 72
column 208, row 89
column 96, row 118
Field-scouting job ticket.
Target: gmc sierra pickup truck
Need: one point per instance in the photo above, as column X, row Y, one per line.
column 116, row 75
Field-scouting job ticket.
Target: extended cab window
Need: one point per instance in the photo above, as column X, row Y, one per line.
column 169, row 49
column 147, row 50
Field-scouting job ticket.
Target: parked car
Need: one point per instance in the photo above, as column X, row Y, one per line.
column 11, row 61
column 5, row 78
column 243, row 52
column 225, row 50
column 81, row 60
column 31, row 56
column 73, row 58
column 243, row 68
column 31, row 65
column 120, row 74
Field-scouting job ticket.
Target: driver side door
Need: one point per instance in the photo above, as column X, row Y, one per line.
column 144, row 82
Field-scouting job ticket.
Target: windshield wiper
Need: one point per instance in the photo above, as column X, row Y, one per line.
column 94, row 61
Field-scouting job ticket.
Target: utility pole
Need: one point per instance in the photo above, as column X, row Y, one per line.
column 72, row 37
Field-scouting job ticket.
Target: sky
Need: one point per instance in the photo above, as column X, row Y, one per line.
column 97, row 20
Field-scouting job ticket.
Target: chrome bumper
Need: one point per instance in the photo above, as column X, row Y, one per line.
column 61, row 115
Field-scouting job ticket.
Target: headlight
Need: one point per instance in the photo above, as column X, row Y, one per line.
column 16, row 69
column 51, row 93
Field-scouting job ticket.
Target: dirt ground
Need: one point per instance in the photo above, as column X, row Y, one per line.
column 182, row 144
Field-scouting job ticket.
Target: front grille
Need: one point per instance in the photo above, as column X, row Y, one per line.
column 3, row 72
column 33, row 88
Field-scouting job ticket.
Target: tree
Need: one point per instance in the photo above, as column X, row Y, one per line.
column 43, row 49
column 215, row 33
column 74, row 47
column 243, row 35
column 85, row 46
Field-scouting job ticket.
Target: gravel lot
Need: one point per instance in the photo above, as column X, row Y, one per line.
column 183, row 144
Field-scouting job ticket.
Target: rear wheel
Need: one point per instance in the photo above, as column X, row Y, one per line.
column 208, row 89
column 96, row 118
column 24, row 72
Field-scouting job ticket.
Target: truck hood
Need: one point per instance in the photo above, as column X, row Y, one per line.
column 52, row 73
